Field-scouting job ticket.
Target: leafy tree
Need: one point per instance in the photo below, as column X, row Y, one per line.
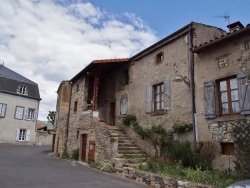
column 51, row 117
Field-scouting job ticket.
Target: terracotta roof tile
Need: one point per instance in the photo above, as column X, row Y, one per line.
column 110, row 60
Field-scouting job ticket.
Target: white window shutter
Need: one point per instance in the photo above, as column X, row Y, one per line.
column 149, row 99
column 2, row 110
column 17, row 134
column 26, row 113
column 35, row 115
column 167, row 100
column 27, row 135
column 125, row 105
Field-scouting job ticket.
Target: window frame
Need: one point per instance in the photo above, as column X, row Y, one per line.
column 75, row 106
column 123, row 101
column 161, row 97
column 159, row 58
column 28, row 114
column 1, row 108
column 228, row 92
column 16, row 113
column 22, row 134
column 22, row 89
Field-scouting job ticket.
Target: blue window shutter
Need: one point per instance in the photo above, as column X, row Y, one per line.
column 149, row 99
column 244, row 93
column 167, row 99
column 210, row 102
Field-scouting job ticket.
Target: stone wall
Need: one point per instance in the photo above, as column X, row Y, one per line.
column 154, row 180
column 43, row 138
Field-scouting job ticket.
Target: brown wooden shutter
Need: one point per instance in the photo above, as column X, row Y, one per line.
column 167, row 101
column 244, row 93
column 149, row 99
column 210, row 104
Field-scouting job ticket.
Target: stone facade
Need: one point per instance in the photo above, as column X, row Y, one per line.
column 62, row 107
column 223, row 59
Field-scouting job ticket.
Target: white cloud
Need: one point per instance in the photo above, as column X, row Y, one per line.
column 49, row 42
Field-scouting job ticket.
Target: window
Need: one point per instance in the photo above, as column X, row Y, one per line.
column 246, row 45
column 159, row 97
column 124, row 106
column 77, row 87
column 22, row 89
column 227, row 148
column 2, row 110
column 19, row 112
column 228, row 96
column 159, row 57
column 22, row 135
column 75, row 106
column 30, row 114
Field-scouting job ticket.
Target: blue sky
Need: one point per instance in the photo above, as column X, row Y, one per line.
column 40, row 39
column 167, row 16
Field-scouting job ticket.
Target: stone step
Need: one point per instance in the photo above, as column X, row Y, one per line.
column 130, row 155
column 129, row 160
column 126, row 144
column 128, row 147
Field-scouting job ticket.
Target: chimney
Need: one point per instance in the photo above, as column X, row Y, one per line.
column 236, row 26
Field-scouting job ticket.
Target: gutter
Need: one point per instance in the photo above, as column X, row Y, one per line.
column 67, row 125
column 192, row 87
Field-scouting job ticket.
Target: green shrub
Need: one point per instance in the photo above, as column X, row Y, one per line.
column 75, row 154
column 182, row 127
column 129, row 119
column 65, row 155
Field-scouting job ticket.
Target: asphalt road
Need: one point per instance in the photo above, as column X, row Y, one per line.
column 32, row 167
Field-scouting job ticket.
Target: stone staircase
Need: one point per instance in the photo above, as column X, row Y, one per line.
column 128, row 153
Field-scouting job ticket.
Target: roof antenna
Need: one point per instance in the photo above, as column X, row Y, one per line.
column 225, row 16
column 2, row 62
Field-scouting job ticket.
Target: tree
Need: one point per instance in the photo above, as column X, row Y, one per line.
column 51, row 117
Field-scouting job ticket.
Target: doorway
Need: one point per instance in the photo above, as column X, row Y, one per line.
column 91, row 157
column 84, row 146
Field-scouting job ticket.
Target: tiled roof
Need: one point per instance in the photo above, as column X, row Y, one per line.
column 111, row 60
column 7, row 73
column 221, row 38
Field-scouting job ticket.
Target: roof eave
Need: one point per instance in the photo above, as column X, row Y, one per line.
column 199, row 49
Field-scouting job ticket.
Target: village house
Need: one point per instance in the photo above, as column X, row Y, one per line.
column 222, row 91
column 19, row 104
column 145, row 85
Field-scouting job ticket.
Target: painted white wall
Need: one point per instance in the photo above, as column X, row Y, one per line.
column 9, row 125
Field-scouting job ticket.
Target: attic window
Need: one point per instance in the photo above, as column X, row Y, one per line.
column 22, row 89
column 159, row 57
column 246, row 45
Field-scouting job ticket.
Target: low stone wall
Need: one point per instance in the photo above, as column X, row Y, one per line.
column 154, row 180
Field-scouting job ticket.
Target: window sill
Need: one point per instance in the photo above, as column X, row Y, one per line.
column 157, row 113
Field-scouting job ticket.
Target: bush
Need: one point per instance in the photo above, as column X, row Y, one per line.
column 129, row 119
column 75, row 154
column 65, row 155
column 106, row 167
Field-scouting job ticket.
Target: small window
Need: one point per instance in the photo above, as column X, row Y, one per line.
column 75, row 106
column 22, row 135
column 2, row 110
column 246, row 45
column 228, row 96
column 227, row 149
column 19, row 112
column 22, row 89
column 124, row 106
column 159, row 97
column 159, row 57
column 77, row 134
column 77, row 87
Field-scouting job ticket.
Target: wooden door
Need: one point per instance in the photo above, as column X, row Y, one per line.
column 84, row 147
column 91, row 157
column 112, row 114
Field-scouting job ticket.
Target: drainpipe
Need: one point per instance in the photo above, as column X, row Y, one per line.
column 192, row 88
column 67, row 125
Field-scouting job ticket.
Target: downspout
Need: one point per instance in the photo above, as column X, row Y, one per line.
column 67, row 126
column 192, row 88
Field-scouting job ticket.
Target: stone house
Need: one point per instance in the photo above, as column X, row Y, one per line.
column 42, row 136
column 221, row 68
column 60, row 129
column 144, row 85
column 19, row 104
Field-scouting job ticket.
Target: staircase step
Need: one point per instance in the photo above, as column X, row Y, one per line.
column 130, row 156
column 127, row 161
